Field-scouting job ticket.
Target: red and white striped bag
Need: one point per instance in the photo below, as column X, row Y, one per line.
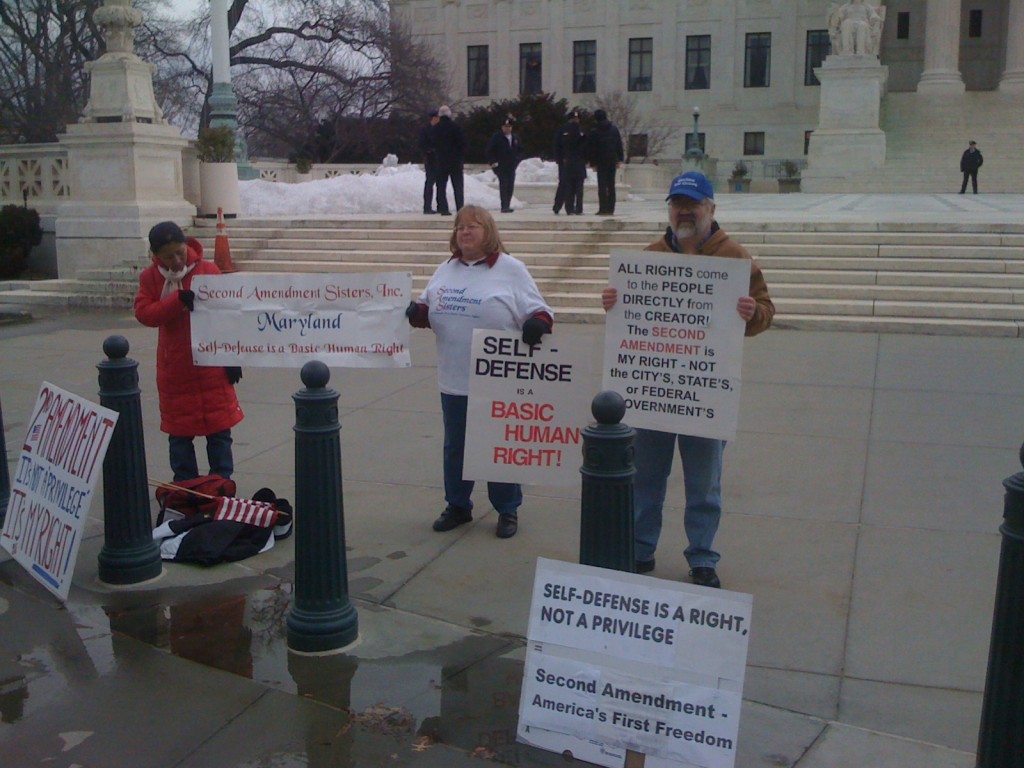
column 259, row 513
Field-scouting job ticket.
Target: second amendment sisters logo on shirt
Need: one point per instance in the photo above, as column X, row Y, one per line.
column 454, row 301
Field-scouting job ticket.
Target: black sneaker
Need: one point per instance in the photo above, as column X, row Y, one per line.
column 703, row 576
column 645, row 566
column 285, row 517
column 452, row 517
column 285, row 513
column 507, row 526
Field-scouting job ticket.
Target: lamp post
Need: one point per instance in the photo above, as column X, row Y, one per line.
column 223, row 104
column 695, row 150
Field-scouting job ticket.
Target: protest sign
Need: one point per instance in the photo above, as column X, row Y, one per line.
column 527, row 407
column 674, row 341
column 634, row 663
column 60, row 462
column 347, row 320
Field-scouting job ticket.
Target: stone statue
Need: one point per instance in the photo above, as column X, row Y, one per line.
column 855, row 28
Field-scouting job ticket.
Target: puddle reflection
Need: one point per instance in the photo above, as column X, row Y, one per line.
column 463, row 693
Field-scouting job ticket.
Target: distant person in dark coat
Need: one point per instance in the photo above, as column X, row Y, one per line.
column 449, row 144
column 970, row 162
column 504, row 151
column 605, row 154
column 570, row 154
column 426, row 147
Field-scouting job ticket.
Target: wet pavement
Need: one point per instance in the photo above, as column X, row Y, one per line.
column 863, row 499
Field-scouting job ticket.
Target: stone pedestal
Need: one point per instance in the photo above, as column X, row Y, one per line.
column 124, row 160
column 124, row 177
column 848, row 140
column 702, row 164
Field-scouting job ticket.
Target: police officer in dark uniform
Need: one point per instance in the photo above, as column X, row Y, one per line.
column 426, row 147
column 570, row 154
column 504, row 151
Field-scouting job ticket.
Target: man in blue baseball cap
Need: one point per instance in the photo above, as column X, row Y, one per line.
column 692, row 230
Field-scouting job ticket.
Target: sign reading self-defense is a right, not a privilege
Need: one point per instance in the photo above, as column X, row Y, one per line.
column 617, row 661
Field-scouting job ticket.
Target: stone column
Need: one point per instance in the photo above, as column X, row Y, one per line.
column 1012, row 80
column 941, row 74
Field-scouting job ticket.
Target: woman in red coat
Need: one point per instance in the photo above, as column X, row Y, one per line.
column 194, row 400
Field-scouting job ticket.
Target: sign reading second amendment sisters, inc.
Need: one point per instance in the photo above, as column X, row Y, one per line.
column 618, row 662
column 352, row 320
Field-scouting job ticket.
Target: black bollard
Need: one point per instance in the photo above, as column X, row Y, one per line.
column 1001, row 734
column 129, row 554
column 5, row 477
column 606, row 501
column 322, row 618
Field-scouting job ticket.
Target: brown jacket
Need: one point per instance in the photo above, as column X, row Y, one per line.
column 719, row 244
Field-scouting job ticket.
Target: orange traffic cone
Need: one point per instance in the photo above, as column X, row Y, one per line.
column 221, row 248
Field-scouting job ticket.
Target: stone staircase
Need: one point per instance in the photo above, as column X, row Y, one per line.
column 926, row 136
column 840, row 276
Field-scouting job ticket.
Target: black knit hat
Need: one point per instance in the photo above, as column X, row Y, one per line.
column 163, row 233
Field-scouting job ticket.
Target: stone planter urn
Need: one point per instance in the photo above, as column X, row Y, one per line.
column 218, row 188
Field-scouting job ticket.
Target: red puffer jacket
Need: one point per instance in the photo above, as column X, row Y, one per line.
column 194, row 400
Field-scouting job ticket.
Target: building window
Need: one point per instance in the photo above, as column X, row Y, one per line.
column 974, row 23
column 477, row 78
column 753, row 143
column 818, row 47
column 529, row 69
column 584, row 66
column 903, row 25
column 698, row 62
column 641, row 63
column 689, row 141
column 758, row 61
column 807, row 141
column 638, row 145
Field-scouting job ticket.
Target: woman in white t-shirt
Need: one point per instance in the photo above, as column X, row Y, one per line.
column 480, row 286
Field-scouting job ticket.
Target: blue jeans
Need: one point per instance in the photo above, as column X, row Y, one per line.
column 702, row 471
column 505, row 497
column 218, row 454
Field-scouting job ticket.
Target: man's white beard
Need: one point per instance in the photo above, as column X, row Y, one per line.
column 686, row 230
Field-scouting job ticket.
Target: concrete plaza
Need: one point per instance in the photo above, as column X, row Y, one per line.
column 863, row 497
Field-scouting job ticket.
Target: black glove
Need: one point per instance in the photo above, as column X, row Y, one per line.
column 412, row 310
column 234, row 373
column 188, row 298
column 533, row 329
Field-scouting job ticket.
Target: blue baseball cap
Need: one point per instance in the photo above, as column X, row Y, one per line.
column 693, row 185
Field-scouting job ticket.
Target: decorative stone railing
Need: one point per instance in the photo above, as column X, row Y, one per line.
column 41, row 171
column 37, row 173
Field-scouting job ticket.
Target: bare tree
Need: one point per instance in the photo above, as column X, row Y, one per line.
column 298, row 66
column 44, row 45
column 623, row 112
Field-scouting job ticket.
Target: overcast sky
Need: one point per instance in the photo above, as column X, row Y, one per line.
column 184, row 8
